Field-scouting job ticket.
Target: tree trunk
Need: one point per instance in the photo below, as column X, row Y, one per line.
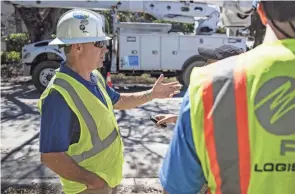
column 40, row 23
column 257, row 29
column 18, row 22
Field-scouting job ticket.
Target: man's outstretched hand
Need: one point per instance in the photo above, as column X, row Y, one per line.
column 166, row 118
column 165, row 90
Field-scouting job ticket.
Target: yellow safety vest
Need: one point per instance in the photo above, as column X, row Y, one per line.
column 100, row 147
column 243, row 121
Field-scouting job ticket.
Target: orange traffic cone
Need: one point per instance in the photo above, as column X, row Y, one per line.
column 109, row 80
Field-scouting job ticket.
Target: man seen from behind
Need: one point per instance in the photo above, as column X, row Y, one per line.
column 235, row 130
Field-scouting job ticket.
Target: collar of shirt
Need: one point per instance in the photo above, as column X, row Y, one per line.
column 90, row 85
column 65, row 69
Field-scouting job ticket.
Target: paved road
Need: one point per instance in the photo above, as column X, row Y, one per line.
column 145, row 145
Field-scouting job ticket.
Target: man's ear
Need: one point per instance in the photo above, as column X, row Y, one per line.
column 77, row 47
column 261, row 13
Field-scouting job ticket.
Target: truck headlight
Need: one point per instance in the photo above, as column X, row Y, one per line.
column 27, row 55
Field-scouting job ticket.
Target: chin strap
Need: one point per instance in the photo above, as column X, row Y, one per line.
column 280, row 30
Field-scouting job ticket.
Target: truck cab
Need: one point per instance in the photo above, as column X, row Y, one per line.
column 40, row 61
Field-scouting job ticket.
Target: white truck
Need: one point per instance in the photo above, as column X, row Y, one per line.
column 138, row 47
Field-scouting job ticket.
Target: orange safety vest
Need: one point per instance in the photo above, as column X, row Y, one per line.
column 243, row 121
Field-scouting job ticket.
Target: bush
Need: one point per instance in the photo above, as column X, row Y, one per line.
column 15, row 42
column 221, row 30
column 10, row 66
column 10, row 57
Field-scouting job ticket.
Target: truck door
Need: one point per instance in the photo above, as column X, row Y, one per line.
column 150, row 52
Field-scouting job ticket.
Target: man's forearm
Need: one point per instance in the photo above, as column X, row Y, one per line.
column 132, row 100
column 67, row 168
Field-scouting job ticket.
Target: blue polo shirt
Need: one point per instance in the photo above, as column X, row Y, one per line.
column 59, row 125
column 181, row 171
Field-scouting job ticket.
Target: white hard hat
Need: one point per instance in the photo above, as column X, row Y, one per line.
column 79, row 26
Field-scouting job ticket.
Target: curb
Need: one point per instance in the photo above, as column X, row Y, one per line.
column 140, row 184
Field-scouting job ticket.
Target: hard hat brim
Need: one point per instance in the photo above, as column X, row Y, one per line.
column 58, row 41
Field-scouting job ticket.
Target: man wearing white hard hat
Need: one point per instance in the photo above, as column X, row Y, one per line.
column 79, row 135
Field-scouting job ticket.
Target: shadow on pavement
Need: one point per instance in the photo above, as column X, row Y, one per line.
column 145, row 144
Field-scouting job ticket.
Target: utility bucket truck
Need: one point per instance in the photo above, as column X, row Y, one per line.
column 142, row 47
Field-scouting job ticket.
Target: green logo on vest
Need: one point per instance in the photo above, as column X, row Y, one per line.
column 275, row 106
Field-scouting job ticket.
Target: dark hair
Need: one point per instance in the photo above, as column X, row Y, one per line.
column 282, row 11
column 67, row 49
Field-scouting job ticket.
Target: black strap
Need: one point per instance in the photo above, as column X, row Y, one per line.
column 275, row 25
column 292, row 26
column 280, row 30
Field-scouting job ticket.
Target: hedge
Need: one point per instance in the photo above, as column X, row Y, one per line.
column 10, row 57
column 14, row 45
column 15, row 42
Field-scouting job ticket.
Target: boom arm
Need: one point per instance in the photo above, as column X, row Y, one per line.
column 234, row 13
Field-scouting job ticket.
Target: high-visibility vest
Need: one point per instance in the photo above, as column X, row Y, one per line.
column 100, row 147
column 243, row 121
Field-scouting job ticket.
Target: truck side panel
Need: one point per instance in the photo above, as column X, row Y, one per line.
column 129, row 51
column 145, row 52
column 150, row 47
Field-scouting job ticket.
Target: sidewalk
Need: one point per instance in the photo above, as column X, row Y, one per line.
column 145, row 144
column 128, row 186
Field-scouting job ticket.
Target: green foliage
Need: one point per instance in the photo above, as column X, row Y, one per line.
column 15, row 42
column 108, row 21
column 221, row 30
column 10, row 57
column 14, row 45
column 125, row 16
column 187, row 28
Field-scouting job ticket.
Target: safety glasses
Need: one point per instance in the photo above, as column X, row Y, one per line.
column 100, row 44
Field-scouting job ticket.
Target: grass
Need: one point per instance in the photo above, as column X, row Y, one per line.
column 143, row 79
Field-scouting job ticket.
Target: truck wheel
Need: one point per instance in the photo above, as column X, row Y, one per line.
column 187, row 70
column 43, row 73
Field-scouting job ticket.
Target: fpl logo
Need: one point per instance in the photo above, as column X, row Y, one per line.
column 275, row 111
column 81, row 15
column 275, row 106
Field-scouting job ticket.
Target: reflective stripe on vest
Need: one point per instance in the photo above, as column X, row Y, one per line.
column 98, row 144
column 99, row 77
column 220, row 143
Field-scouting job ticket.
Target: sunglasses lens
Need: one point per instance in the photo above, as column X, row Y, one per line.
column 100, row 44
